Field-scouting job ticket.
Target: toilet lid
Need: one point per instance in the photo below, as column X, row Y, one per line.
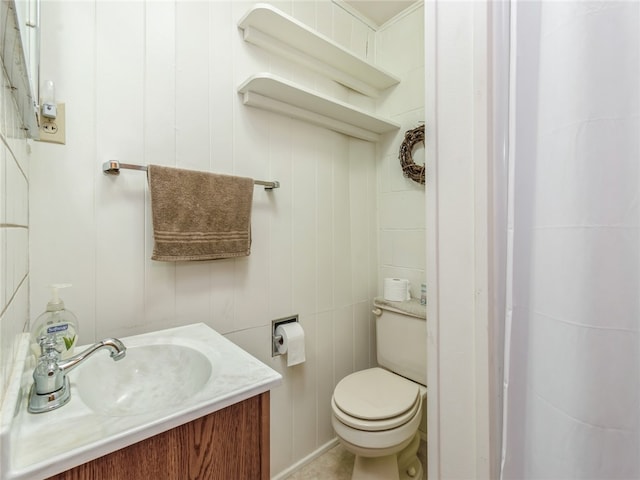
column 375, row 394
column 375, row 425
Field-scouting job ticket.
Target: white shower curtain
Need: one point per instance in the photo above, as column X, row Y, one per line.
column 572, row 351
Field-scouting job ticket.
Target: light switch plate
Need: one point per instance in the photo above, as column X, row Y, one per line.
column 52, row 130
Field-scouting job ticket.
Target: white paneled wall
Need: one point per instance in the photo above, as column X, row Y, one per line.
column 14, row 230
column 155, row 82
column 400, row 49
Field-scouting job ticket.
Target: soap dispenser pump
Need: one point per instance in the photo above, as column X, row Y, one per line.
column 58, row 322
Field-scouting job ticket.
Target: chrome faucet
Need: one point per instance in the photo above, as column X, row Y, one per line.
column 51, row 389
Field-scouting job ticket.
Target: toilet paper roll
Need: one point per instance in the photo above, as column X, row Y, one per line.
column 292, row 342
column 396, row 289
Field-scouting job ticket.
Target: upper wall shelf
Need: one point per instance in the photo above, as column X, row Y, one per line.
column 275, row 94
column 277, row 32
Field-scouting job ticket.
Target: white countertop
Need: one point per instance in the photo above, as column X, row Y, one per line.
column 36, row 446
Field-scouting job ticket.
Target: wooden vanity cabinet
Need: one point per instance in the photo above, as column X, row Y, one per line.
column 232, row 443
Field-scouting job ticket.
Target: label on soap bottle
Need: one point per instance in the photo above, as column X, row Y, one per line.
column 58, row 328
column 66, row 338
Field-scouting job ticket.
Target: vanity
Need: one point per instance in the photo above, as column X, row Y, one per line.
column 230, row 443
column 184, row 403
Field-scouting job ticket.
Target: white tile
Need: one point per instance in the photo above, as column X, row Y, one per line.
column 342, row 25
column 160, row 303
column 121, row 214
column 164, row 91
column 361, row 155
column 223, row 308
column 285, row 6
column 325, row 225
column 324, row 18
column 342, row 233
column 411, row 95
column 13, row 322
column 17, row 194
column 303, row 379
column 372, row 228
column 251, row 139
column 405, row 34
column 120, row 79
column 305, row 12
column 279, row 205
column 325, row 374
column 402, row 209
column 251, row 279
column 4, row 155
column 359, row 38
column 5, row 293
column 361, row 333
column 247, row 58
column 62, row 178
column 281, row 432
column 343, row 342
column 160, row 84
column 362, row 102
column 223, row 34
column 4, row 83
column 256, row 341
column 192, row 85
column 192, row 292
column 305, row 235
column 120, row 250
column 409, row 248
column 17, row 255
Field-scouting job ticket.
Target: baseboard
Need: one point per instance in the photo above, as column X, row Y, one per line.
column 309, row 458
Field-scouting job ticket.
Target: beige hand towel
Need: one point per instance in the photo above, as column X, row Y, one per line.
column 199, row 215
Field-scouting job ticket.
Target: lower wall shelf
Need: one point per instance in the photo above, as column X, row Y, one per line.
column 269, row 92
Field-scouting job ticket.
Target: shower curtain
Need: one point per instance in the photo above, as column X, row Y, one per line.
column 572, row 352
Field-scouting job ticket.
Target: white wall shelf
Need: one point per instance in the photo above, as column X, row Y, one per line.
column 269, row 92
column 277, row 32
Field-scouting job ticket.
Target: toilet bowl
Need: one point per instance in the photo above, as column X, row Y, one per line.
column 376, row 415
column 376, row 412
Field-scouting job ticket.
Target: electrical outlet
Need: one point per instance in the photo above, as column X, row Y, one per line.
column 52, row 130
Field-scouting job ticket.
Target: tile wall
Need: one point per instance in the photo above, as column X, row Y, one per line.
column 163, row 90
column 401, row 201
column 14, row 229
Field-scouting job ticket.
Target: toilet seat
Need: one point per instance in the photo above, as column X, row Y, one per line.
column 375, row 400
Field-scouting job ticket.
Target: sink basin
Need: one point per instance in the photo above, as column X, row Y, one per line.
column 148, row 378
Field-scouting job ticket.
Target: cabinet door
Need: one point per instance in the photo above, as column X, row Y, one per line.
column 232, row 443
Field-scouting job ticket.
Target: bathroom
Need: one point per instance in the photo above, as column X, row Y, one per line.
column 156, row 83
column 141, row 86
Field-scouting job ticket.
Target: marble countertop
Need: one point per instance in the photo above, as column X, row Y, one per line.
column 36, row 446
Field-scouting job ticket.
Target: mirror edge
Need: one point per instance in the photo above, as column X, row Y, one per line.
column 23, row 87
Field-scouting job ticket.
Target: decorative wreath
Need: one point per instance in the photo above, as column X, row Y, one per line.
column 409, row 168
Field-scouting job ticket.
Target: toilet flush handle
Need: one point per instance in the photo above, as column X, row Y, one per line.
column 377, row 312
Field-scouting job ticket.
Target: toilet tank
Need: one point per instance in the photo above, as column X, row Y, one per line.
column 401, row 338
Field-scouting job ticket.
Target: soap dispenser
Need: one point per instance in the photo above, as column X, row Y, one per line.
column 56, row 321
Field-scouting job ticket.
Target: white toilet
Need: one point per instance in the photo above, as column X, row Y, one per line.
column 376, row 412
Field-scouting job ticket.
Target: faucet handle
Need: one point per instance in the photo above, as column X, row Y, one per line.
column 48, row 345
column 47, row 376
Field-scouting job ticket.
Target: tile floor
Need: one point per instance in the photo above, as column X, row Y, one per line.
column 337, row 464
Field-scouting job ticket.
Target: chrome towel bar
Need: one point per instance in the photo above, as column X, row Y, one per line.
column 112, row 167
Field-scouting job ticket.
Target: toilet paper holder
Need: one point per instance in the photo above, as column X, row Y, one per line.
column 277, row 339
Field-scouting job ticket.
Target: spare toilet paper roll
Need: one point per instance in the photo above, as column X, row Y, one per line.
column 396, row 289
column 292, row 342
